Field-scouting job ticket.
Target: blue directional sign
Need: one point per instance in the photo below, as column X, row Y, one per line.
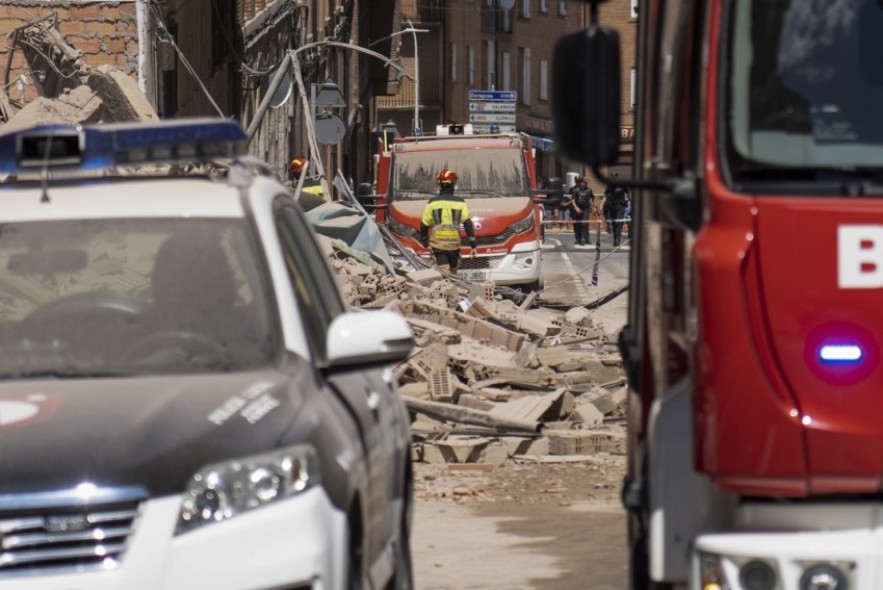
column 503, row 95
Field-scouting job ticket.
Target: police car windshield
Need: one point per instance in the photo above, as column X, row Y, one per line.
column 803, row 78
column 484, row 173
column 131, row 296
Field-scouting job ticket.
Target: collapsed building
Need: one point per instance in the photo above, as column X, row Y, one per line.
column 70, row 90
column 493, row 376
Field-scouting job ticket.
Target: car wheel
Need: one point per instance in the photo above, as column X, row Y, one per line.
column 355, row 579
column 403, row 575
column 531, row 287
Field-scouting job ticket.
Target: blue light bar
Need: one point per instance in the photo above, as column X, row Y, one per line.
column 119, row 144
column 840, row 353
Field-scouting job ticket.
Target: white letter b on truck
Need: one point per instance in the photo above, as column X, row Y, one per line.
column 860, row 256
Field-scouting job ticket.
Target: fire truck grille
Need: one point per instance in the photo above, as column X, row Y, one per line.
column 479, row 262
column 495, row 240
column 80, row 538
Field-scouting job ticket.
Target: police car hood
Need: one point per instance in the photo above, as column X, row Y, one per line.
column 490, row 215
column 152, row 432
column 821, row 299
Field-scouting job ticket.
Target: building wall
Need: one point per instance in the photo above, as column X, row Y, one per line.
column 519, row 32
column 106, row 33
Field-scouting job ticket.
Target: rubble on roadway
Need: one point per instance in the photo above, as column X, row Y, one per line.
column 491, row 379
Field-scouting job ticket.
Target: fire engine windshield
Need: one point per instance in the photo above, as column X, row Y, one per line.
column 805, row 85
column 481, row 173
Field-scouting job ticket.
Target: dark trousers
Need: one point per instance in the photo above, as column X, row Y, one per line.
column 616, row 216
column 447, row 259
column 581, row 227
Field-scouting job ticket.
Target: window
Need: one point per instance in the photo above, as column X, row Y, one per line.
column 562, row 7
column 507, row 68
column 490, row 64
column 470, row 62
column 453, row 62
column 633, row 88
column 544, row 6
column 525, row 75
column 634, row 12
column 525, row 8
column 544, row 79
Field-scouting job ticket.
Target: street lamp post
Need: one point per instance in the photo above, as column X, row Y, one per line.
column 414, row 32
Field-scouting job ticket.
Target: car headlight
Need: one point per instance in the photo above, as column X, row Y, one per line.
column 400, row 228
column 523, row 225
column 757, row 575
column 223, row 490
column 525, row 260
column 711, row 573
column 823, row 576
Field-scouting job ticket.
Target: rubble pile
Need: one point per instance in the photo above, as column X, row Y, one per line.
column 491, row 380
column 71, row 91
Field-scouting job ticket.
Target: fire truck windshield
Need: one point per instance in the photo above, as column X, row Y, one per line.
column 481, row 173
column 804, row 85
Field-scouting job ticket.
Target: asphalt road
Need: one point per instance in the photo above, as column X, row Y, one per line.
column 552, row 531
column 582, row 275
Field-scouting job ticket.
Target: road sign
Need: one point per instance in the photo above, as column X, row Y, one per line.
column 491, row 107
column 486, row 128
column 503, row 95
column 492, row 117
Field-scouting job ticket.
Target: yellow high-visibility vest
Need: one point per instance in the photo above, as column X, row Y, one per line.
column 443, row 215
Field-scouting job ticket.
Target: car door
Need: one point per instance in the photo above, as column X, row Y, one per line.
column 364, row 393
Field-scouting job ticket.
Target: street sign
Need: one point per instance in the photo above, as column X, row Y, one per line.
column 503, row 95
column 491, row 107
column 492, row 117
column 486, row 128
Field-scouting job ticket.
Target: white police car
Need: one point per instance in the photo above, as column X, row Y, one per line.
column 185, row 400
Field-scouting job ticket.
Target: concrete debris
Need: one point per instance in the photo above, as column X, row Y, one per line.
column 491, row 381
column 71, row 91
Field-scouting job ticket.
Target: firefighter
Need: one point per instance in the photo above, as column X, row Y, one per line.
column 298, row 166
column 440, row 225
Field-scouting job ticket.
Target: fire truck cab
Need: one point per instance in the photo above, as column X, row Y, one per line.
column 498, row 180
column 753, row 344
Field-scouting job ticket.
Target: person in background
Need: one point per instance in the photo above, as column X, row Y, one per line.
column 580, row 201
column 298, row 166
column 441, row 221
column 614, row 208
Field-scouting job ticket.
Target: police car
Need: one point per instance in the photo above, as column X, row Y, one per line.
column 185, row 399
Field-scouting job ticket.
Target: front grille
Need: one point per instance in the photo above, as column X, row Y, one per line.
column 77, row 537
column 479, row 262
column 495, row 240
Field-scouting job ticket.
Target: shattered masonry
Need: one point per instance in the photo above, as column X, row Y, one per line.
column 490, row 380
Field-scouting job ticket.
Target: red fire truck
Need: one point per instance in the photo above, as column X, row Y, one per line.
column 498, row 180
column 753, row 345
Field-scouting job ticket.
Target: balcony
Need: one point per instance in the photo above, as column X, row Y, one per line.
column 426, row 12
column 430, row 95
column 495, row 20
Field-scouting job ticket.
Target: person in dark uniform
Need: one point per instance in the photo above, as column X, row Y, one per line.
column 580, row 200
column 614, row 208
column 441, row 221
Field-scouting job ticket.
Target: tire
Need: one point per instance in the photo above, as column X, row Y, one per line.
column 403, row 576
column 531, row 287
column 355, row 579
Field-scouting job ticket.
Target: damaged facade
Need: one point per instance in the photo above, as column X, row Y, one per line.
column 204, row 58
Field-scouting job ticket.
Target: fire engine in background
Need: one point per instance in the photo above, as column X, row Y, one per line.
column 498, row 180
column 753, row 345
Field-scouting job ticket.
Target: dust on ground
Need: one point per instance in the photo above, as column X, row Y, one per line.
column 521, row 526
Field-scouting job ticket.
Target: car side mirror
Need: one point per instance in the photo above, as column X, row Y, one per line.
column 586, row 96
column 357, row 340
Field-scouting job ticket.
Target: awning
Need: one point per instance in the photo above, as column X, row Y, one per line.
column 540, row 142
